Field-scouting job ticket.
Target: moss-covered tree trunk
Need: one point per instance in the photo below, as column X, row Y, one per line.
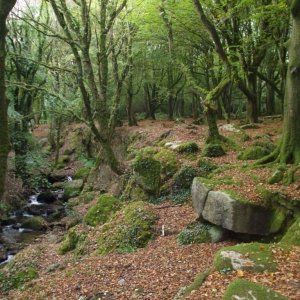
column 290, row 144
column 5, row 7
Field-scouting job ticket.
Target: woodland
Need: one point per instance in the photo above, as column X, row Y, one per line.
column 150, row 149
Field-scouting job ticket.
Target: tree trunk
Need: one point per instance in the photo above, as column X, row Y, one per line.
column 213, row 131
column 290, row 144
column 5, row 7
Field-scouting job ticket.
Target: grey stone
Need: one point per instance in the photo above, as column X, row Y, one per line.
column 199, row 195
column 220, row 209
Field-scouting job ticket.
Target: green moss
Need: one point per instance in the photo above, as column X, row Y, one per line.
column 197, row 283
column 213, row 182
column 258, row 258
column 133, row 192
column 69, row 242
column 168, row 161
column 265, row 143
column 253, row 152
column 245, row 289
column 102, row 210
column 276, row 177
column 34, row 223
column 197, row 233
column 147, row 152
column 86, row 197
column 73, row 188
column 188, row 148
column 63, row 159
column 82, row 173
column 236, row 196
column 206, row 167
column 147, row 171
column 275, row 199
column 184, row 178
column 292, row 236
column 213, row 150
column 131, row 228
column 15, row 279
column 279, row 216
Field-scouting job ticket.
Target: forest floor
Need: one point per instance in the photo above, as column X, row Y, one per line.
column 163, row 267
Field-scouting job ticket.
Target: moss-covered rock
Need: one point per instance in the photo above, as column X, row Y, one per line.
column 253, row 152
column 72, row 240
column 277, row 199
column 102, row 210
column 188, row 148
column 168, row 161
column 73, row 188
column 35, row 223
column 254, row 257
column 266, row 143
column 197, row 233
column 184, row 178
column 206, row 167
column 82, row 173
column 292, row 236
column 129, row 229
column 133, row 192
column 213, row 150
column 147, row 171
column 245, row 289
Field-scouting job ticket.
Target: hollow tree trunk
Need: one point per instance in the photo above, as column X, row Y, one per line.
column 290, row 144
column 5, row 7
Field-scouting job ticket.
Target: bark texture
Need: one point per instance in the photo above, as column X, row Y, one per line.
column 5, row 7
column 290, row 144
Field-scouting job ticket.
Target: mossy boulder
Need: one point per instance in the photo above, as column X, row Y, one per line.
column 292, row 236
column 129, row 229
column 73, row 188
column 36, row 223
column 245, row 289
column 206, row 167
column 213, row 150
column 253, row 153
column 147, row 171
column 82, row 173
column 102, row 210
column 266, row 143
column 133, row 192
column 184, row 178
column 187, row 148
column 168, row 161
column 198, row 232
column 253, row 257
column 72, row 241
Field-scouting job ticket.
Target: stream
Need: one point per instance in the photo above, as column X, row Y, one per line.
column 14, row 235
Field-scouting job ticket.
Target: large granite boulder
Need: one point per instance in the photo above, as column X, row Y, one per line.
column 221, row 209
column 199, row 195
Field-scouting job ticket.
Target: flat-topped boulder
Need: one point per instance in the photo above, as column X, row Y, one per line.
column 224, row 210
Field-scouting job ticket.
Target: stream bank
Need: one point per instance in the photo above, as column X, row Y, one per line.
column 25, row 225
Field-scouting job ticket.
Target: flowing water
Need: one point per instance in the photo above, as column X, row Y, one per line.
column 14, row 237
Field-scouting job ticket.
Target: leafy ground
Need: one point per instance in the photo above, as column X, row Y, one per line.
column 163, row 267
